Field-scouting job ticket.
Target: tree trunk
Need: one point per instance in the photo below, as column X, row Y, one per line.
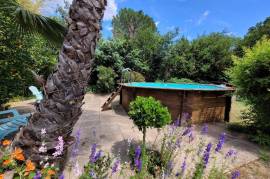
column 65, row 88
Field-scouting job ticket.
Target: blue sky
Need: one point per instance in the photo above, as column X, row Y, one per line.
column 192, row 17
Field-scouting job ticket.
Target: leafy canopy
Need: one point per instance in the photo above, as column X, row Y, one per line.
column 251, row 75
column 147, row 112
column 128, row 23
column 28, row 22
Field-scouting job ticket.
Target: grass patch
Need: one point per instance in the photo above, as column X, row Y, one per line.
column 264, row 156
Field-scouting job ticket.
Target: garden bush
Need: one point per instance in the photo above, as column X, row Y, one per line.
column 251, row 76
column 106, row 79
column 132, row 76
column 180, row 80
column 147, row 112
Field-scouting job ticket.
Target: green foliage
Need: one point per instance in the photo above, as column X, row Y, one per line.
column 28, row 22
column 253, row 35
column 106, row 76
column 251, row 76
column 118, row 54
column 264, row 156
column 203, row 59
column 132, row 76
column 260, row 138
column 216, row 173
column 128, row 23
column 99, row 169
column 18, row 55
column 181, row 80
column 148, row 112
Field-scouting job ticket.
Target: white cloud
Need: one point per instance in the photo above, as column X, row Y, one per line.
column 109, row 28
column 111, row 10
column 157, row 23
column 203, row 17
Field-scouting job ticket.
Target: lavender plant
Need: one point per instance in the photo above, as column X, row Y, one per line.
column 100, row 165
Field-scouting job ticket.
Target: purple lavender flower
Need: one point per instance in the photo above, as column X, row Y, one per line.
column 178, row 143
column 137, row 160
column 221, row 141
column 206, row 155
column 204, row 129
column 38, row 175
column 185, row 116
column 190, row 137
column 75, row 148
column 115, row 166
column 92, row 173
column 138, row 152
column 235, row 174
column 183, row 166
column 93, row 152
column 61, row 176
column 187, row 131
column 176, row 122
column 97, row 156
column 138, row 164
column 230, row 153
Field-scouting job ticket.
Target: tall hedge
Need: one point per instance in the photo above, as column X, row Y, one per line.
column 251, row 76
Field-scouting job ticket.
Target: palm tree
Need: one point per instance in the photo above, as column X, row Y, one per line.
column 64, row 89
column 29, row 22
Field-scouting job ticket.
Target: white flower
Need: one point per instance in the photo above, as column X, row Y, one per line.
column 42, row 149
column 59, row 148
column 46, row 158
column 46, row 165
column 43, row 131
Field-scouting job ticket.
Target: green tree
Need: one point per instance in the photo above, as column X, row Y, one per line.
column 154, row 48
column 178, row 62
column 203, row 59
column 251, row 76
column 118, row 54
column 31, row 22
column 128, row 23
column 147, row 112
column 254, row 34
column 212, row 55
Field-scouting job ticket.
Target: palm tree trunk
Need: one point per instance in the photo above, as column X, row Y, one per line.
column 65, row 88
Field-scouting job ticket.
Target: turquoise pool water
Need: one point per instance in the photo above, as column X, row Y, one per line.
column 181, row 86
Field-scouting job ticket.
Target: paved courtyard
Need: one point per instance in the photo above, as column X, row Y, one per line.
column 110, row 130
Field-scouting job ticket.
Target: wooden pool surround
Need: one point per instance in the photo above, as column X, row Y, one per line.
column 204, row 106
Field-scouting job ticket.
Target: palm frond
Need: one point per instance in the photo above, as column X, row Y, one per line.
column 29, row 22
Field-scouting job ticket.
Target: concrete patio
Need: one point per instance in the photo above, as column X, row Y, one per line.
column 110, row 130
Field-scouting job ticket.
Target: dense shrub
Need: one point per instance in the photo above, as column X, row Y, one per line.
column 18, row 55
column 181, row 80
column 106, row 76
column 251, row 76
column 147, row 112
column 132, row 76
column 203, row 59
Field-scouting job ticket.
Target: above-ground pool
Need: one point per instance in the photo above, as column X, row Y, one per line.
column 178, row 86
column 204, row 102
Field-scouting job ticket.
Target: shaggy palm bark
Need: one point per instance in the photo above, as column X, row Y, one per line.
column 65, row 89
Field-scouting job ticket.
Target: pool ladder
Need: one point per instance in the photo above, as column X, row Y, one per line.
column 105, row 106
